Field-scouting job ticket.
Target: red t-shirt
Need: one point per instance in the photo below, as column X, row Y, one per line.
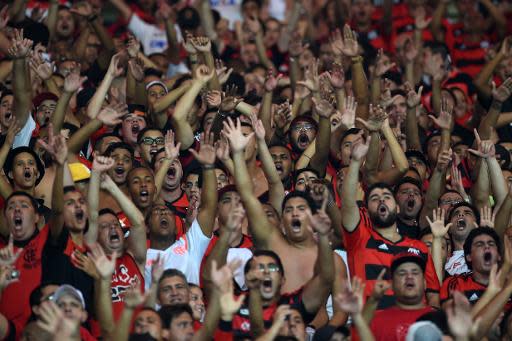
column 14, row 304
column 368, row 253
column 126, row 274
column 393, row 323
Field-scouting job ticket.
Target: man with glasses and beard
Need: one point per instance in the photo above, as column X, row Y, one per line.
column 371, row 233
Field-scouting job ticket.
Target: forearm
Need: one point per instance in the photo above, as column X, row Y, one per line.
column 276, row 188
column 410, row 75
column 305, row 158
column 123, row 8
column 436, row 23
column 498, row 183
column 122, row 330
column 295, row 73
column 491, row 311
column 374, row 89
column 499, row 19
column 362, row 327
column 128, row 207
column 160, row 176
column 480, row 189
column 56, row 220
column 140, row 93
column 94, row 107
column 81, row 44
column 436, row 95
column 22, row 91
column 322, row 146
column 60, row 111
column 78, row 139
column 437, row 257
column 445, row 140
column 325, row 262
column 162, row 104
column 481, row 80
column 103, row 307
column 369, row 308
column 262, row 52
column 51, row 86
column 397, row 152
column 434, row 191
column 265, row 114
column 372, row 160
column 173, row 47
column 218, row 254
column 207, row 210
column 360, row 87
column 5, row 187
column 106, row 40
column 17, row 10
column 51, row 20
column 93, row 198
column 502, row 220
column 412, row 134
column 490, row 120
column 349, row 209
column 256, row 313
column 213, row 84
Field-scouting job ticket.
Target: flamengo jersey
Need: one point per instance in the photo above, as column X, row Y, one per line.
column 463, row 283
column 126, row 275
column 368, row 253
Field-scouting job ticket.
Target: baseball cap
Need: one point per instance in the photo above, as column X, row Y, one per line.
column 68, row 290
column 408, row 257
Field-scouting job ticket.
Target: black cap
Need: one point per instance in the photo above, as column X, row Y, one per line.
column 417, row 154
column 9, row 162
column 408, row 257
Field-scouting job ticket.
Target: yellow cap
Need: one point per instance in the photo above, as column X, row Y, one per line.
column 79, row 171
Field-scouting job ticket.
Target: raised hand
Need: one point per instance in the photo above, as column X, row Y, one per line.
column 257, row 125
column 320, row 222
column 73, row 82
column 136, row 67
column 172, row 149
column 133, row 297
column 102, row 164
column 157, row 269
column 233, row 132
column 311, row 78
column 113, row 114
column 445, row 119
column 420, row 19
column 346, row 45
column 502, row 93
column 271, row 81
column 350, row 300
column 7, row 254
column 323, row 107
column 439, row 229
column 229, row 304
column 206, row 154
column 235, row 218
column 56, row 146
column 413, row 97
column 222, row 278
column 253, row 24
column 229, row 99
column 188, row 46
column 104, row 266
column 85, row 264
column 381, row 286
column 42, row 69
column 301, row 92
column 459, row 318
column 487, row 217
column 201, row 44
column 282, row 115
column 115, row 69
column 376, row 119
column 20, row 47
column 214, row 98
column 12, row 131
column 485, row 149
column 203, row 74
column 132, row 46
column 222, row 150
column 348, row 113
column 52, row 320
column 456, row 179
column 443, row 160
column 382, row 64
column 360, row 149
column 336, row 76
column 83, row 9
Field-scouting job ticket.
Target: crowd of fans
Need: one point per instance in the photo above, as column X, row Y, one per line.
column 256, row 170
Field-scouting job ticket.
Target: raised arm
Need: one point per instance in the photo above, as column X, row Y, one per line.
column 132, row 299
column 204, row 45
column 481, row 188
column 72, row 83
column 349, row 208
column 160, row 107
column 499, row 95
column 275, row 185
column 261, row 229
column 412, row 134
column 481, row 80
column 254, row 27
column 439, row 230
column 137, row 238
column 265, row 113
column 172, row 151
column 325, row 110
column 206, row 157
column 502, row 220
column 5, row 186
column 184, row 133
column 445, row 123
column 21, row 86
column 123, row 8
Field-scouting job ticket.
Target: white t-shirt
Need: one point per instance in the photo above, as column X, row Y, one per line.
column 228, row 9
column 185, row 255
column 456, row 264
column 243, row 255
column 152, row 38
column 22, row 139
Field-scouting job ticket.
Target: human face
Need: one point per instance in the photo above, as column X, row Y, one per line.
column 294, row 326
column 141, row 185
column 463, row 221
column 461, row 150
column 249, row 55
column 409, row 199
column 228, row 202
column 191, row 187
column 65, row 23
column 151, row 142
column 173, row 290
column 272, row 32
column 397, row 110
column 346, row 148
column 448, row 200
column 362, row 11
column 304, row 179
column 45, row 111
column 21, row 217
column 272, row 278
column 182, row 328
column 271, row 214
column 130, row 128
column 148, row 321
column 409, row 283
column 508, row 176
column 420, row 166
column 155, row 92
column 302, row 134
column 484, row 254
column 75, row 211
column 110, row 234
column 24, row 172
column 382, row 207
column 282, row 160
column 445, row 247
column 91, row 51
column 295, row 219
column 222, row 178
column 6, row 115
column 197, row 303
column 72, row 309
column 161, row 223
column 433, row 148
column 174, row 173
column 123, row 164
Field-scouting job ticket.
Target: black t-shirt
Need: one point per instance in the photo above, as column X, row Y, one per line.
column 411, row 231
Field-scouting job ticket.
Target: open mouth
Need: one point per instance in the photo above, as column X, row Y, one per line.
column 8, row 116
column 303, row 139
column 266, row 284
column 144, row 195
column 487, row 257
column 171, row 172
column 114, row 237
column 410, row 285
column 27, row 175
column 411, row 203
column 164, row 223
column 382, row 209
column 296, row 225
column 18, row 221
column 46, row 120
column 279, row 168
column 461, row 224
column 135, row 130
column 153, row 151
column 79, row 215
column 119, row 170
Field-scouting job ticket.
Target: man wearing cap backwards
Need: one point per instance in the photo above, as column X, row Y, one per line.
column 408, row 283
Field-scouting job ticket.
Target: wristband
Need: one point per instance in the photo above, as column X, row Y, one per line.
column 357, row 59
column 208, row 167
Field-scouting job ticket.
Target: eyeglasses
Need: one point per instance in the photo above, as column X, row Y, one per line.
column 149, row 140
column 269, row 267
column 305, row 127
column 452, row 202
column 161, row 211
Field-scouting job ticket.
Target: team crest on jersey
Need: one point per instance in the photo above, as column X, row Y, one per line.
column 413, row 250
column 122, row 280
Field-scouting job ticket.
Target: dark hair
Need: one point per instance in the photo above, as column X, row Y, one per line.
column 33, row 201
column 169, row 312
column 120, row 145
column 407, row 180
column 351, row 131
column 173, row 273
column 305, row 169
column 267, row 253
column 438, row 48
column 478, row 232
column 398, row 92
column 6, row 93
column 99, row 140
column 135, row 168
column 153, row 72
column 303, row 195
column 188, row 19
column 104, row 211
column 380, row 185
column 465, row 204
column 193, row 171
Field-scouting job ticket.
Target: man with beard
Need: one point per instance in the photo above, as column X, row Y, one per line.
column 408, row 284
column 371, row 233
column 482, row 251
column 463, row 218
column 185, row 253
column 409, row 197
